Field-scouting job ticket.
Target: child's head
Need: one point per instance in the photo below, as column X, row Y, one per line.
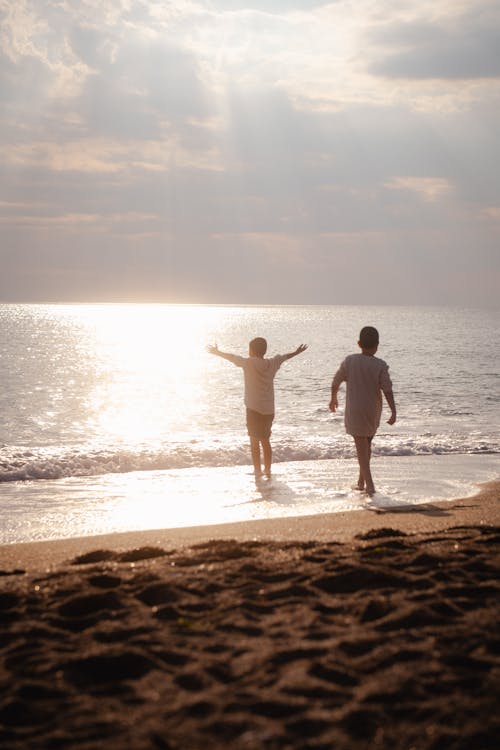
column 368, row 338
column 257, row 347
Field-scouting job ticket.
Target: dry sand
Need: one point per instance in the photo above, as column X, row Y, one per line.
column 346, row 631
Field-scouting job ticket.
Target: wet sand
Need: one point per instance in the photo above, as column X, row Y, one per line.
column 356, row 630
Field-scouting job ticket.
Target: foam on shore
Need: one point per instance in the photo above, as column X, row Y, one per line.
column 89, row 506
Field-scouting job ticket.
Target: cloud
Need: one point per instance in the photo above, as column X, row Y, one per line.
column 431, row 189
column 37, row 60
column 491, row 212
column 460, row 43
column 267, row 6
column 247, row 151
column 148, row 84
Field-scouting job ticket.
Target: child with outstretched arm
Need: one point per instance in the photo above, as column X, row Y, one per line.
column 366, row 377
column 259, row 373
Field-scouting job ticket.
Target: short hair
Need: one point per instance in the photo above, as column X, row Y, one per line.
column 258, row 346
column 368, row 337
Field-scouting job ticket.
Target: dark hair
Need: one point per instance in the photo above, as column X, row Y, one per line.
column 258, row 346
column 368, row 337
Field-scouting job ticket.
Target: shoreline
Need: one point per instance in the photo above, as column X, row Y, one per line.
column 480, row 509
column 205, row 496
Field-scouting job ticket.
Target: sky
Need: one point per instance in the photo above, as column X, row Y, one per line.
column 265, row 152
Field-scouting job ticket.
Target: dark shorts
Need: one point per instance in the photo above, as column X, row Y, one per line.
column 259, row 425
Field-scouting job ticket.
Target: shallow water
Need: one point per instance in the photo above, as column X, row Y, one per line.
column 191, row 497
column 99, row 399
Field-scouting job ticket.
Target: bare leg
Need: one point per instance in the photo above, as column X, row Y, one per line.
column 363, row 450
column 360, row 484
column 268, row 455
column 255, row 450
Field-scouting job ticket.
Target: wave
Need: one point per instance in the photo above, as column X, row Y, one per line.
column 48, row 464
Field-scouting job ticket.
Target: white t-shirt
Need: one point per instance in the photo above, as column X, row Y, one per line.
column 366, row 378
column 258, row 373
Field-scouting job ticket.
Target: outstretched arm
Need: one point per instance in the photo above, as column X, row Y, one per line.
column 214, row 349
column 389, row 396
column 298, row 350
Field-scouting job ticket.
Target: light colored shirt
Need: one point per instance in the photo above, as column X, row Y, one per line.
column 366, row 378
column 259, row 375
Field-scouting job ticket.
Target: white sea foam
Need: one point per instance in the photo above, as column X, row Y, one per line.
column 21, row 465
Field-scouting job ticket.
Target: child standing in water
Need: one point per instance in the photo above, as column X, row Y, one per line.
column 259, row 373
column 367, row 377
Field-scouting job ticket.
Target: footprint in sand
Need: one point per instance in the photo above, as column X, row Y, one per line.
column 107, row 668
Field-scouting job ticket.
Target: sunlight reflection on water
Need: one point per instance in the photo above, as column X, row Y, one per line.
column 122, row 407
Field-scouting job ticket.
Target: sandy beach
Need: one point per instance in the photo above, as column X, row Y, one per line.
column 350, row 630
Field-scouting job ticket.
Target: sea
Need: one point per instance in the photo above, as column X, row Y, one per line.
column 114, row 417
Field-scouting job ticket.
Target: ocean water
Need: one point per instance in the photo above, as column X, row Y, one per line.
column 114, row 417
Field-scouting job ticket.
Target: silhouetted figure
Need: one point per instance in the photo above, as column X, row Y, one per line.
column 259, row 373
column 367, row 377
